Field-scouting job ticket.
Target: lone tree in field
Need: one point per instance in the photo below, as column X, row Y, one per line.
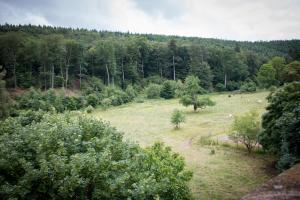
column 245, row 129
column 191, row 92
column 177, row 118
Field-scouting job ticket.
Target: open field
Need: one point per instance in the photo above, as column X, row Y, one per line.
column 230, row 172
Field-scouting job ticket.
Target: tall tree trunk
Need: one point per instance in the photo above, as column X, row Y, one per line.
column 123, row 75
column 52, row 77
column 225, row 80
column 160, row 69
column 143, row 68
column 174, row 70
column 67, row 75
column 107, row 72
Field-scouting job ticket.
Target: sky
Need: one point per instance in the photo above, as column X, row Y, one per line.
column 224, row 19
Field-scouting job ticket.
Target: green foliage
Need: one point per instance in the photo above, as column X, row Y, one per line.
column 281, row 133
column 153, row 91
column 292, row 72
column 220, row 87
column 130, row 92
column 232, row 85
column 92, row 100
column 190, row 95
column 177, row 118
column 61, row 157
column 4, row 96
column 168, row 89
column 248, row 87
column 266, row 76
column 245, row 129
column 89, row 109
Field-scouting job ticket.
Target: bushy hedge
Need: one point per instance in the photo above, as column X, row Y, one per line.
column 248, row 87
column 59, row 157
column 37, row 100
column 153, row 91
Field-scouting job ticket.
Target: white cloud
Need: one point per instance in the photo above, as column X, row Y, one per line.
column 230, row 19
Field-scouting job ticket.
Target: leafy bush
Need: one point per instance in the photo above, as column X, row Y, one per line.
column 93, row 85
column 245, row 129
column 248, row 87
column 63, row 157
column 168, row 89
column 232, row 85
column 220, row 87
column 153, row 91
column 177, row 118
column 130, row 92
column 31, row 100
column 89, row 109
column 281, row 133
column 92, row 99
column 106, row 103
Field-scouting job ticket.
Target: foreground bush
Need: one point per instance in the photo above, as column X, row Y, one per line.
column 281, row 124
column 58, row 157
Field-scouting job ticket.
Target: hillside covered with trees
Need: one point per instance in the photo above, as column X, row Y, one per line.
column 50, row 57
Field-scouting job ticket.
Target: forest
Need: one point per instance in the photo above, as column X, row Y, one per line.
column 88, row 114
column 51, row 57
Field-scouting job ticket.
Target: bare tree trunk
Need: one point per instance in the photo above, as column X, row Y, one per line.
column 123, row 75
column 67, row 75
column 62, row 75
column 143, row 68
column 113, row 81
column 107, row 72
column 52, row 77
column 174, row 70
column 225, row 80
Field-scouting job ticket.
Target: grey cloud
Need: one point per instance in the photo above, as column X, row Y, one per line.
column 230, row 19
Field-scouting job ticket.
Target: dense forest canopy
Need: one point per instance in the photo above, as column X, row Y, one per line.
column 49, row 57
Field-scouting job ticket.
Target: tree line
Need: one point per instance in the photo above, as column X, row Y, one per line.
column 50, row 57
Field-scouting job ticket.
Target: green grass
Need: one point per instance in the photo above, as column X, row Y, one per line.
column 230, row 172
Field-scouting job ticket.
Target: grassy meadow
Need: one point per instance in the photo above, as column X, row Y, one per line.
column 229, row 172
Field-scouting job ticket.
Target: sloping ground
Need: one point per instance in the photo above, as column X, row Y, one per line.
column 284, row 186
column 228, row 172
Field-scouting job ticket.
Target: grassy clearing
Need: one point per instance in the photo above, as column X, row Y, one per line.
column 230, row 172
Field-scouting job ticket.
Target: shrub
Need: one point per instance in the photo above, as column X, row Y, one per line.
column 245, row 129
column 220, row 87
column 281, row 134
column 168, row 89
column 92, row 100
column 153, row 91
column 232, row 85
column 177, row 118
column 63, row 157
column 89, row 109
column 106, row 103
column 130, row 92
column 93, row 85
column 179, row 88
column 248, row 87
column 31, row 100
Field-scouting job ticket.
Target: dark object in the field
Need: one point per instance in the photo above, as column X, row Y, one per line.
column 229, row 95
column 284, row 186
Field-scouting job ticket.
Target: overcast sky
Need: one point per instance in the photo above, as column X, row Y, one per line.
column 226, row 19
